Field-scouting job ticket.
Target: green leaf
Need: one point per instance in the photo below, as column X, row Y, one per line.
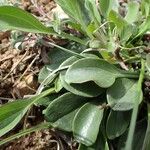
column 76, row 10
column 69, row 62
column 144, row 27
column 105, row 6
column 86, row 124
column 13, row 18
column 96, row 70
column 133, row 12
column 25, row 132
column 117, row 123
column 58, row 85
column 44, row 72
column 127, row 32
column 45, row 101
column 12, row 113
column 138, row 138
column 63, row 105
column 93, row 12
column 145, row 7
column 100, row 144
column 57, row 57
column 122, row 95
column 117, row 19
column 65, row 123
column 88, row 89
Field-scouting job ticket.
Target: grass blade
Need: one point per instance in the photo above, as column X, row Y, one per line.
column 25, row 132
column 135, row 110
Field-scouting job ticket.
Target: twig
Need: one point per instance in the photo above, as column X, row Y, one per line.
column 6, row 58
column 13, row 68
column 26, row 69
column 6, row 99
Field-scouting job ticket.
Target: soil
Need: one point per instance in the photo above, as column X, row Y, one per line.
column 21, row 59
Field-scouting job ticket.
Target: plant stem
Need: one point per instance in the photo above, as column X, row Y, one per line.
column 25, row 132
column 133, row 59
column 135, row 109
column 66, row 50
column 128, row 74
column 73, row 38
column 146, row 143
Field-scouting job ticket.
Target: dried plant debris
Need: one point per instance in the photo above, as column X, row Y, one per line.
column 20, row 57
column 15, row 70
column 36, row 141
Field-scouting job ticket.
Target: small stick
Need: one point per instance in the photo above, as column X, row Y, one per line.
column 26, row 70
column 17, row 63
column 6, row 58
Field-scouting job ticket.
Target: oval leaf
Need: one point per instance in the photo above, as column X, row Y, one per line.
column 88, row 89
column 123, row 94
column 13, row 18
column 65, row 123
column 86, row 124
column 100, row 144
column 117, row 123
column 63, row 105
column 90, row 69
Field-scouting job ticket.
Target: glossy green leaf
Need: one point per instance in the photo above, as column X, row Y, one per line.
column 96, row 70
column 65, row 123
column 86, row 124
column 117, row 123
column 100, row 144
column 63, row 105
column 88, row 89
column 13, row 18
column 122, row 95
column 133, row 12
